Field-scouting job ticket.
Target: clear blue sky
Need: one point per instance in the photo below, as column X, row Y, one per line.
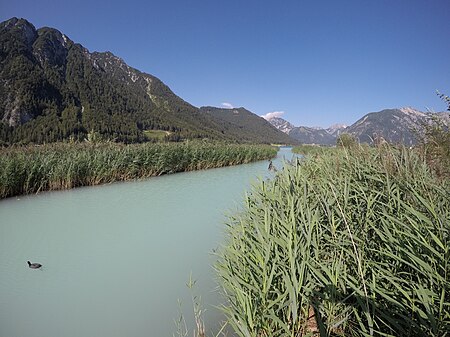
column 321, row 62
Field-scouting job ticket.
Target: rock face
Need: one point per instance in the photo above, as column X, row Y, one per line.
column 14, row 113
column 336, row 129
column 281, row 124
column 52, row 89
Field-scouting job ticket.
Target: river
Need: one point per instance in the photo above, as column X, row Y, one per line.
column 116, row 258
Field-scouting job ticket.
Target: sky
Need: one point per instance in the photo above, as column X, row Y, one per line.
column 313, row 62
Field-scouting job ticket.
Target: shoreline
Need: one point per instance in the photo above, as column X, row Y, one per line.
column 60, row 166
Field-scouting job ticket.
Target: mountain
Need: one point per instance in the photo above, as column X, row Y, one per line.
column 281, row 124
column 52, row 89
column 308, row 135
column 303, row 134
column 393, row 125
column 336, row 129
column 239, row 121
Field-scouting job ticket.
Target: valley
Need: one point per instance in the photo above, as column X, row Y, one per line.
column 151, row 213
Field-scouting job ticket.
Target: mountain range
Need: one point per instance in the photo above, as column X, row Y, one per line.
column 52, row 89
column 392, row 125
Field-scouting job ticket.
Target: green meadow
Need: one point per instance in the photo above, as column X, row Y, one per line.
column 157, row 135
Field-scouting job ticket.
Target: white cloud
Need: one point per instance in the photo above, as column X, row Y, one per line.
column 227, row 105
column 273, row 114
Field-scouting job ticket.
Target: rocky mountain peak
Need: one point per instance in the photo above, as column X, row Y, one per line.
column 107, row 60
column 51, row 46
column 20, row 27
column 61, row 38
column 117, row 67
column 281, row 124
column 411, row 111
column 17, row 23
column 336, row 129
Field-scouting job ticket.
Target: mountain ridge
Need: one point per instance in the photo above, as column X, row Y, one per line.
column 253, row 126
column 53, row 89
column 396, row 125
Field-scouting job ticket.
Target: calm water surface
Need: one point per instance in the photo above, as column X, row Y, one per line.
column 116, row 257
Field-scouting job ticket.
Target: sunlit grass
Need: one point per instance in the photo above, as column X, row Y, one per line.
column 312, row 149
column 156, row 134
column 61, row 166
column 360, row 239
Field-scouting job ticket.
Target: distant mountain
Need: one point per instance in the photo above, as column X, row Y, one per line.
column 336, row 129
column 398, row 126
column 307, row 135
column 444, row 116
column 52, row 89
column 303, row 134
column 281, row 124
column 239, row 122
column 393, row 125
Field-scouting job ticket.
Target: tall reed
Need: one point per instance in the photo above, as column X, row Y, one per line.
column 312, row 149
column 343, row 244
column 61, row 165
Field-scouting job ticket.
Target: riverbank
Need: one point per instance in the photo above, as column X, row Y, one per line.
column 348, row 242
column 57, row 166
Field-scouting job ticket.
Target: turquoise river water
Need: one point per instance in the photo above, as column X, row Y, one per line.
column 116, row 258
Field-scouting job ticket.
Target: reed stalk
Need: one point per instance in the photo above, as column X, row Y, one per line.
column 33, row 169
column 360, row 236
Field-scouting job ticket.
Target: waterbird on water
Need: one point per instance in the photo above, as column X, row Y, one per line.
column 272, row 167
column 34, row 265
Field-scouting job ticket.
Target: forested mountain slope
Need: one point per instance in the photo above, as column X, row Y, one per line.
column 53, row 89
column 239, row 122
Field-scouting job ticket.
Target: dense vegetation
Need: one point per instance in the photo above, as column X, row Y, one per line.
column 311, row 149
column 59, row 166
column 353, row 242
column 53, row 89
column 51, row 92
column 434, row 143
column 246, row 126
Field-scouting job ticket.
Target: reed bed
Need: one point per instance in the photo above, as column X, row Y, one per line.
column 343, row 244
column 58, row 166
column 312, row 149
